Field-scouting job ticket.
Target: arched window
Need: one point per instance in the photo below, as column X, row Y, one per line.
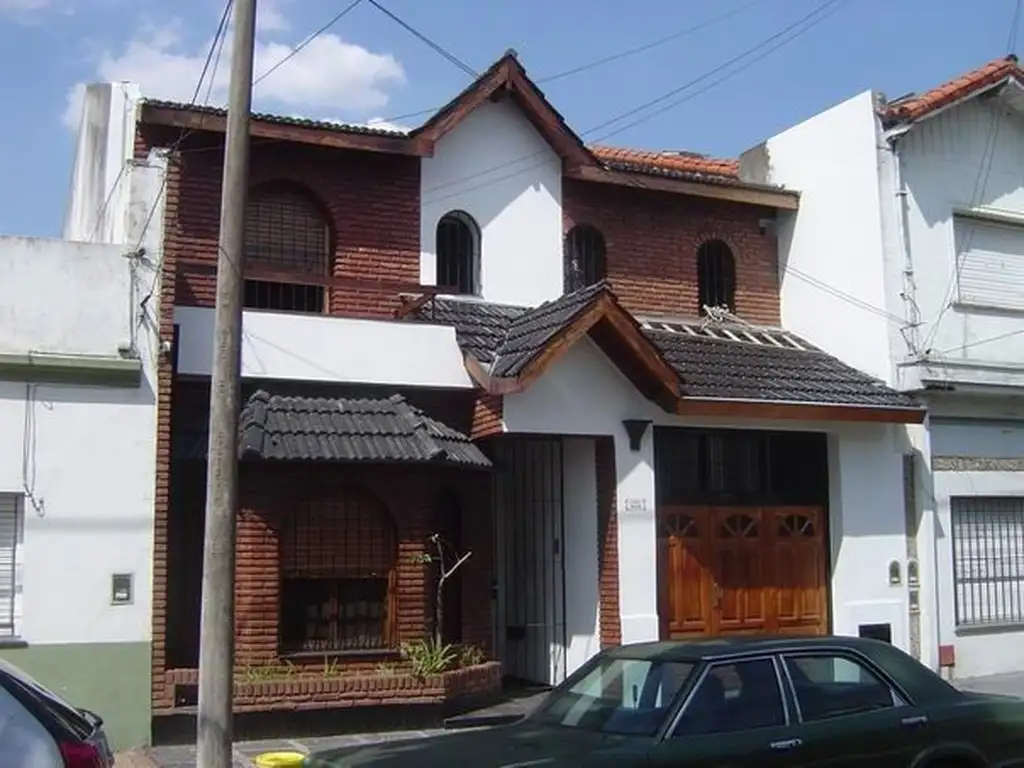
column 716, row 276
column 458, row 253
column 338, row 557
column 288, row 238
column 585, row 257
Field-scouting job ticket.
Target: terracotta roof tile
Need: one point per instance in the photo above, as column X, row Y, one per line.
column 668, row 162
column 919, row 105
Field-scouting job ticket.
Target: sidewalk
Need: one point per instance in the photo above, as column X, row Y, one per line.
column 1009, row 683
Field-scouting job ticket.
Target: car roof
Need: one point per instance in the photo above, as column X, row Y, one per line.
column 727, row 647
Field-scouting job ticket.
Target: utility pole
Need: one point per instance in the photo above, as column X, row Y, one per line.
column 217, row 635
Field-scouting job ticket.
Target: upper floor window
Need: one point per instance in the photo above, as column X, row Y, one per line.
column 458, row 253
column 288, row 247
column 585, row 257
column 716, row 276
column 989, row 265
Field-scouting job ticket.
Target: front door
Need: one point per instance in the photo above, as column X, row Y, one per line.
column 741, row 570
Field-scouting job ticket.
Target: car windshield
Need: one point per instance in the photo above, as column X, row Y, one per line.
column 617, row 695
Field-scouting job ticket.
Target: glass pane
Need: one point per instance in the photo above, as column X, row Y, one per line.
column 618, row 696
column 734, row 697
column 832, row 686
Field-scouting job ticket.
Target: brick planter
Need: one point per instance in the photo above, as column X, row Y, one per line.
column 307, row 691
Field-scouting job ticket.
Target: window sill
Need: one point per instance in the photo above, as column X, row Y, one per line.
column 993, row 628
column 379, row 654
column 8, row 643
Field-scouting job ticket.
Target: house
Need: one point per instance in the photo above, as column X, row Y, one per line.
column 565, row 360
column 905, row 260
column 78, row 444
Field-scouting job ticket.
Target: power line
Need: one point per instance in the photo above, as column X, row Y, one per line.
column 423, row 38
column 612, row 57
column 309, row 39
column 979, row 342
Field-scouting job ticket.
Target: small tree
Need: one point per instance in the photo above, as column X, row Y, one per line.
column 447, row 561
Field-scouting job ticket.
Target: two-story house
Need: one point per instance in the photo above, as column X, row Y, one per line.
column 567, row 360
column 906, row 259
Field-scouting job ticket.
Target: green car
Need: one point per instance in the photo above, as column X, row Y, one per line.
column 828, row 702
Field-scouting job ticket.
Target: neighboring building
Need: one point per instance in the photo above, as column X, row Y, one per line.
column 77, row 435
column 566, row 359
column 906, row 259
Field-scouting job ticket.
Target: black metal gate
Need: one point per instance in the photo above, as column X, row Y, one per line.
column 529, row 529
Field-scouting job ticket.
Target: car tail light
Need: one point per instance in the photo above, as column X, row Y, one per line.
column 78, row 754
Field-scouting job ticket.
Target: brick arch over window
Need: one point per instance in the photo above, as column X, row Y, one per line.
column 716, row 276
column 288, row 249
column 457, row 243
column 586, row 257
column 339, row 556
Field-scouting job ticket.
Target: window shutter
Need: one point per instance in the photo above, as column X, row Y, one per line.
column 991, row 263
column 9, row 524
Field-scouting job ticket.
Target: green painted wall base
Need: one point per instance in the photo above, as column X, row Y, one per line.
column 111, row 679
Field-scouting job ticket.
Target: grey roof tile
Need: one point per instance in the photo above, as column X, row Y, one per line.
column 329, row 429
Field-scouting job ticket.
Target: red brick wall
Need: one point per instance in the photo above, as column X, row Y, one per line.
column 372, row 200
column 607, row 544
column 652, row 240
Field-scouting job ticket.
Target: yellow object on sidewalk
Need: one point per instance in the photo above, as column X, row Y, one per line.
column 280, row 760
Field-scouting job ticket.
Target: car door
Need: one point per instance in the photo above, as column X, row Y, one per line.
column 850, row 714
column 735, row 715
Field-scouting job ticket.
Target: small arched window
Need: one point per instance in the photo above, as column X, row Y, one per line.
column 288, row 238
column 585, row 257
column 716, row 276
column 458, row 253
column 338, row 556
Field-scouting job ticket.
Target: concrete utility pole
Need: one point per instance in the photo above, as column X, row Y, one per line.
column 217, row 635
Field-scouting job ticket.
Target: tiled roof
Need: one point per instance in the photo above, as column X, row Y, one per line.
column 672, row 164
column 716, row 361
column 918, row 105
column 329, row 429
column 325, row 125
column 749, row 363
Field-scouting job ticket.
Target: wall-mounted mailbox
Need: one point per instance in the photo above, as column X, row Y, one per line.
column 881, row 632
column 121, row 589
column 913, row 573
column 895, row 573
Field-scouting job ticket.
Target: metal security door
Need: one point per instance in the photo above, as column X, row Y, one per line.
column 529, row 526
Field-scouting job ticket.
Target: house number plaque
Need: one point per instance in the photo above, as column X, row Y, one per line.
column 635, row 506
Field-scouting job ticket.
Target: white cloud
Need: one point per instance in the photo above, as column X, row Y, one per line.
column 270, row 16
column 380, row 122
column 328, row 76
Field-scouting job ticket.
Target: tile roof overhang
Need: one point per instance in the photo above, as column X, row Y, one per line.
column 718, row 369
column 344, row 430
column 985, row 79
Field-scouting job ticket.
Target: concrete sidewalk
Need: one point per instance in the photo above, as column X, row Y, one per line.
column 1009, row 683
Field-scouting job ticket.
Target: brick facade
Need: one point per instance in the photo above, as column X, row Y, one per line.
column 610, row 624
column 652, row 240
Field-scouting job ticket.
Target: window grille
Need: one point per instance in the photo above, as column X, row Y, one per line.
column 458, row 253
column 716, row 276
column 988, row 560
column 585, row 257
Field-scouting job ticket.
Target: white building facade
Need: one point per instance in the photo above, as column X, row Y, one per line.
column 77, row 432
column 906, row 260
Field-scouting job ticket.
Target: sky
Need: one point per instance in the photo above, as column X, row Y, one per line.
column 368, row 68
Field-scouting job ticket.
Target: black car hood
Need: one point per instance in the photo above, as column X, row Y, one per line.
column 521, row 744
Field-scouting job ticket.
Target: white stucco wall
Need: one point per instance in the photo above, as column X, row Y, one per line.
column 946, row 169
column 866, row 507
column 495, row 167
column 579, row 482
column 831, row 257
column 277, row 345
column 84, row 456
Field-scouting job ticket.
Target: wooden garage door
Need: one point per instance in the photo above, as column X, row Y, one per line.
column 741, row 570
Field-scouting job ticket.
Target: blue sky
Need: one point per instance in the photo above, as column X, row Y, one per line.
column 368, row 67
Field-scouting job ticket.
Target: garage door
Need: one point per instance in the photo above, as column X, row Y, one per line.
column 741, row 570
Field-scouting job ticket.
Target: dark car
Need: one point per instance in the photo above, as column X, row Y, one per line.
column 38, row 729
column 832, row 702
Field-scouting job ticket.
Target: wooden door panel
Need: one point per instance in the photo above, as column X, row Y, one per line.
column 798, row 552
column 739, row 571
column 684, row 584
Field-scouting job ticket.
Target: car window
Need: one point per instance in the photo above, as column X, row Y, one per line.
column 617, row 695
column 24, row 741
column 731, row 697
column 832, row 685
column 69, row 715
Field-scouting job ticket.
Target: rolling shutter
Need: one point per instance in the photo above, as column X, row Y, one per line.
column 10, row 521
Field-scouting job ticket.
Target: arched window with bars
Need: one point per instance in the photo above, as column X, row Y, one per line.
column 716, row 276
column 287, row 249
column 585, row 257
column 458, row 253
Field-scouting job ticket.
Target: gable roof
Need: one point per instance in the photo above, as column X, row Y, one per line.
column 723, row 368
column 506, row 77
column 507, row 348
column 917, row 106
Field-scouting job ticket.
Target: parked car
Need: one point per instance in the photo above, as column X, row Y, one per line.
column 768, row 702
column 38, row 729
